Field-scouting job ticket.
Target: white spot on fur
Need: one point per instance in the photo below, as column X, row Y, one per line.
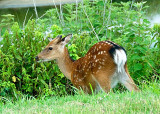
column 99, row 67
column 96, row 60
column 102, row 63
column 108, row 43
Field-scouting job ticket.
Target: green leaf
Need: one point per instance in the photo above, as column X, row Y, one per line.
column 18, row 57
column 100, row 3
column 135, row 57
column 137, row 67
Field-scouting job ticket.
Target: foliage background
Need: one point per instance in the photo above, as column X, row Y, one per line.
column 89, row 22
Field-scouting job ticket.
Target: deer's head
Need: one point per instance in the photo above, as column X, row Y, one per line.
column 55, row 49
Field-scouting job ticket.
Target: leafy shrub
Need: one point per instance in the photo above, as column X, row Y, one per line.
column 18, row 69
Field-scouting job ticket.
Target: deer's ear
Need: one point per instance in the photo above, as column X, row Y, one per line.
column 58, row 39
column 59, row 36
column 66, row 39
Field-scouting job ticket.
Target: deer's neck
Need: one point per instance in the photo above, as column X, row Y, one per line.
column 65, row 64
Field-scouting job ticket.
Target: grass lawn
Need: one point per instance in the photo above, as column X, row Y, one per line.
column 147, row 101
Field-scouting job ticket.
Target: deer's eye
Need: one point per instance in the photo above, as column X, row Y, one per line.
column 50, row 48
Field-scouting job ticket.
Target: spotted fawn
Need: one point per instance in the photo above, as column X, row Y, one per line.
column 104, row 65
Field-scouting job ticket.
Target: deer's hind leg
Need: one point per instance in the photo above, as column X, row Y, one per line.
column 103, row 79
column 127, row 81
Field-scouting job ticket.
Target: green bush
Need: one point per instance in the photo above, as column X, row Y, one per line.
column 89, row 22
column 19, row 73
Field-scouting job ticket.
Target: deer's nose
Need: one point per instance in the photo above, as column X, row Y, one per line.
column 37, row 58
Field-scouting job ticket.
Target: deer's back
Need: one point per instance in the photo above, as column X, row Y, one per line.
column 99, row 58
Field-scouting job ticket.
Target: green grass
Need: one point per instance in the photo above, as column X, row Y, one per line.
column 147, row 101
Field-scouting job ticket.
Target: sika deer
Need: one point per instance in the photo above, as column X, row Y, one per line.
column 102, row 67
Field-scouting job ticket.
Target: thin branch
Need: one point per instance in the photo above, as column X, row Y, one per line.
column 25, row 18
column 31, row 17
column 42, row 15
column 57, row 12
column 35, row 9
column 109, row 15
column 152, row 68
column 104, row 12
column 76, row 11
column 90, row 23
column 61, row 13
